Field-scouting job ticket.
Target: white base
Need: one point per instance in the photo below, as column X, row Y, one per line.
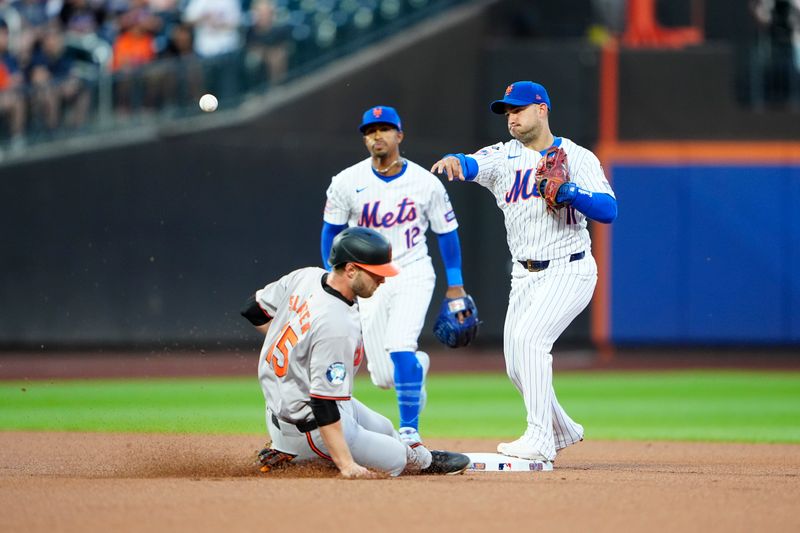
column 495, row 462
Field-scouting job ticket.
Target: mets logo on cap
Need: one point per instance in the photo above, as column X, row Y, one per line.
column 509, row 89
column 380, row 114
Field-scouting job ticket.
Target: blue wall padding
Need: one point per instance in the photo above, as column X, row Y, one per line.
column 706, row 254
column 791, row 205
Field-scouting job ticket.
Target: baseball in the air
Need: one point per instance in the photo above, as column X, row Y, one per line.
column 208, row 103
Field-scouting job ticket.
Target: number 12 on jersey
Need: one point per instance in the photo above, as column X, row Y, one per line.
column 412, row 236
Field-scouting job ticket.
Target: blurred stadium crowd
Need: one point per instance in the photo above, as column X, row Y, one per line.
column 94, row 65
column 69, row 63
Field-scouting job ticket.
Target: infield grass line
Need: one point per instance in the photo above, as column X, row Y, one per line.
column 722, row 406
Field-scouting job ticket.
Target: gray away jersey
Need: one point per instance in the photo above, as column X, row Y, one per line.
column 508, row 170
column 313, row 346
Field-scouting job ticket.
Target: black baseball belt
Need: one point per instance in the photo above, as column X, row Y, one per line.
column 536, row 266
column 302, row 427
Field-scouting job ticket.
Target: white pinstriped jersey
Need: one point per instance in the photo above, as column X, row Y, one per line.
column 313, row 346
column 508, row 169
column 401, row 209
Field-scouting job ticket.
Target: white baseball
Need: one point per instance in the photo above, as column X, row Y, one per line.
column 208, row 103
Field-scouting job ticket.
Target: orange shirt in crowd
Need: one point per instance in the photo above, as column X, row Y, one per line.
column 5, row 77
column 132, row 50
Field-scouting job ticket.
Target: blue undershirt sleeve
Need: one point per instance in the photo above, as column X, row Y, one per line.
column 469, row 166
column 450, row 248
column 329, row 231
column 598, row 206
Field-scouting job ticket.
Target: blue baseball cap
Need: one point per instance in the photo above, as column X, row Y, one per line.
column 381, row 114
column 521, row 93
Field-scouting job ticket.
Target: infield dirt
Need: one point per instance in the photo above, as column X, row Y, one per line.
column 102, row 482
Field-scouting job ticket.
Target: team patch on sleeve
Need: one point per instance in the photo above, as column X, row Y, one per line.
column 336, row 373
column 450, row 216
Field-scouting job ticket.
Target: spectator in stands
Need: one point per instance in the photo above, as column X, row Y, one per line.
column 183, row 71
column 12, row 97
column 34, row 13
column 83, row 16
column 134, row 49
column 167, row 10
column 134, row 46
column 55, row 87
column 780, row 21
column 216, row 24
column 34, row 19
column 267, row 43
column 217, row 40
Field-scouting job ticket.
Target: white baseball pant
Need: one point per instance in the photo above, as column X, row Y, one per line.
column 392, row 319
column 541, row 306
column 370, row 436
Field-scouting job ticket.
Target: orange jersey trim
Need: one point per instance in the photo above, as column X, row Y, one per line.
column 315, row 449
column 723, row 153
column 337, row 398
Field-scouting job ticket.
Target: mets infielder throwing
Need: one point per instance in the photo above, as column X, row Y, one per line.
column 401, row 200
column 312, row 349
column 554, row 273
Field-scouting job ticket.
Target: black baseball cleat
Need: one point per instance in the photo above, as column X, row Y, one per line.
column 448, row 463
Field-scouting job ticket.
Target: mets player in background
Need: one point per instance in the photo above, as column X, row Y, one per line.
column 399, row 199
column 554, row 274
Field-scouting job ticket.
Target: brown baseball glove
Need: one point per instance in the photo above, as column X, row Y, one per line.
column 551, row 174
column 269, row 458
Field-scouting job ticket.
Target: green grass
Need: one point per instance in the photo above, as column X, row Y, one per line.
column 698, row 405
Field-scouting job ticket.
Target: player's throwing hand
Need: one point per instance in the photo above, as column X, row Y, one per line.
column 449, row 166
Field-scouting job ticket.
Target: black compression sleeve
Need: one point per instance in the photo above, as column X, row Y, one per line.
column 325, row 411
column 253, row 312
